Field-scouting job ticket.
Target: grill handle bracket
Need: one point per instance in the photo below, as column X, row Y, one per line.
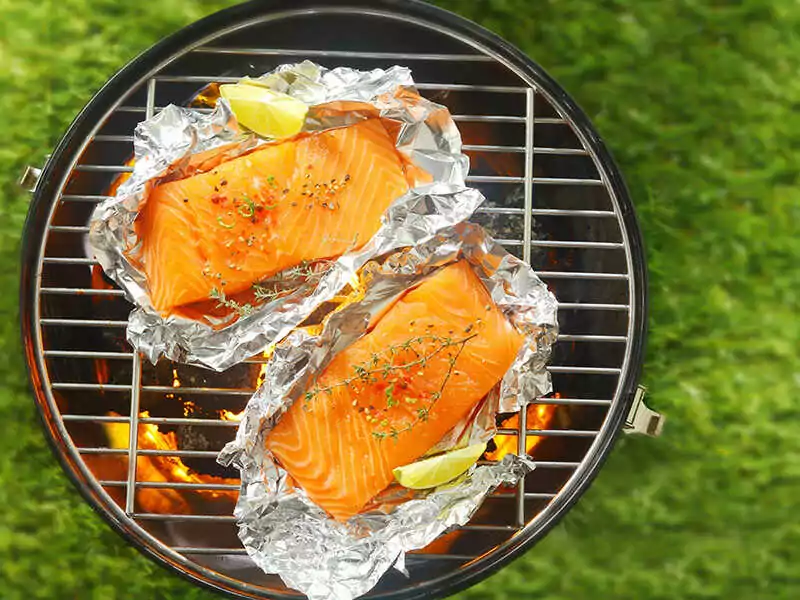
column 641, row 419
column 29, row 178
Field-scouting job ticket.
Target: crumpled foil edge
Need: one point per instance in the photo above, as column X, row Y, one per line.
column 282, row 529
column 165, row 143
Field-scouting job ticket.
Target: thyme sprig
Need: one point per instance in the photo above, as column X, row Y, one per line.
column 286, row 281
column 223, row 301
column 381, row 367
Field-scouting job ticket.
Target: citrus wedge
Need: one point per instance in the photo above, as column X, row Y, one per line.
column 263, row 111
column 437, row 470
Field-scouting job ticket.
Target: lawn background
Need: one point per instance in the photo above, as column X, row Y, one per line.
column 698, row 101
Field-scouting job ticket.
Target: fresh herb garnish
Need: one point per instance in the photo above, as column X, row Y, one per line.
column 383, row 367
column 222, row 222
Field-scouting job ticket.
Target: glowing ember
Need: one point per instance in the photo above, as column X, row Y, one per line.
column 102, row 371
column 539, row 417
column 164, row 469
column 176, row 382
column 228, row 415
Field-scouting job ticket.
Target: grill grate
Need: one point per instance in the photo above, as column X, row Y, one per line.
column 533, row 192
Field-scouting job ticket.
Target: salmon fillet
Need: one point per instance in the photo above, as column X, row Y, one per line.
column 384, row 401
column 308, row 198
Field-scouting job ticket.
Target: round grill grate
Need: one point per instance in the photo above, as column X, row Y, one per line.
column 555, row 198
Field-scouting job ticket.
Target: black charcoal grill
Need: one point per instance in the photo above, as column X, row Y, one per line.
column 555, row 198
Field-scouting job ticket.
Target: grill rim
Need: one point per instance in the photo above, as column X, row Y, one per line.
column 119, row 85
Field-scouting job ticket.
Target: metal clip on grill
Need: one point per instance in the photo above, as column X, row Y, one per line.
column 555, row 198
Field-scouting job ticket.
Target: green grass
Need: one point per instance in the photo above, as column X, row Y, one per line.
column 699, row 102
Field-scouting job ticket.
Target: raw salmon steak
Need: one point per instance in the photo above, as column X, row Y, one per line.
column 309, row 198
column 389, row 397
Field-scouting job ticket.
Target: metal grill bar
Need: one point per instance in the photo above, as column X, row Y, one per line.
column 133, row 439
column 83, row 197
column 250, row 392
column 522, row 150
column 578, row 244
column 528, row 496
column 104, row 168
column 522, row 426
column 114, row 138
column 541, row 274
column 342, row 54
column 232, row 424
column 69, row 228
column 546, row 212
column 82, row 323
column 212, row 487
column 81, row 291
column 528, row 180
column 128, row 139
column 241, row 552
column 576, row 401
column 573, row 275
column 567, row 337
column 91, row 354
column 68, row 260
column 148, row 452
column 584, row 370
column 96, row 418
column 87, row 354
column 108, row 387
column 102, row 323
column 152, row 420
column 592, row 306
column 489, row 118
column 452, row 87
column 457, row 118
column 547, row 432
column 215, row 453
column 163, row 389
column 470, row 179
column 167, row 485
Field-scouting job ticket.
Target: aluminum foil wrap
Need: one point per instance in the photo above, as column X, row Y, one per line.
column 283, row 531
column 165, row 144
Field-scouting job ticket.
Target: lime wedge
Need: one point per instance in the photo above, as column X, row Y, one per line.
column 263, row 111
column 435, row 471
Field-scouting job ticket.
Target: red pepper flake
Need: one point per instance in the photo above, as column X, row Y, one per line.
column 259, row 208
column 185, row 200
column 224, row 182
column 347, row 177
column 217, row 199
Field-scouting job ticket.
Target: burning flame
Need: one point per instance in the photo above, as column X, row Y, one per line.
column 229, row 415
column 539, row 416
column 163, row 469
column 262, row 372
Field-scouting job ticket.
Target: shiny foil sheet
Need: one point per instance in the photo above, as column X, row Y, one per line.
column 165, row 144
column 283, row 531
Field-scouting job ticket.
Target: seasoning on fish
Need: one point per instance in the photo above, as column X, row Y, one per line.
column 384, row 401
column 308, row 198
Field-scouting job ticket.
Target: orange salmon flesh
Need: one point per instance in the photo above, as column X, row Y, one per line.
column 309, row 198
column 388, row 398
